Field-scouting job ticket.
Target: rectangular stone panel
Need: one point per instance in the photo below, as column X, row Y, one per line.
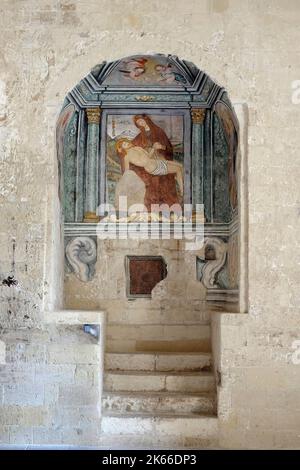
column 143, row 273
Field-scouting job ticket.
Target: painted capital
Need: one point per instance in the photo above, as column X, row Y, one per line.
column 198, row 115
column 91, row 217
column 93, row 115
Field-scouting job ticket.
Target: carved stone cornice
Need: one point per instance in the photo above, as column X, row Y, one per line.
column 93, row 115
column 198, row 115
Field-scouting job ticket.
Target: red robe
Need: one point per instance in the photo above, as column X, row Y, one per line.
column 159, row 189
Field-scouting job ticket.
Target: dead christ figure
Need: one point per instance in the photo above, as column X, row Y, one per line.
column 151, row 161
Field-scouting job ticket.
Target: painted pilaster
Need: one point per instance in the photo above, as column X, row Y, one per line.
column 198, row 115
column 91, row 191
column 80, row 183
column 208, row 167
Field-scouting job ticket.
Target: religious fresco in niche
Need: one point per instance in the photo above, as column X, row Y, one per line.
column 158, row 130
column 146, row 70
column 144, row 159
column 176, row 147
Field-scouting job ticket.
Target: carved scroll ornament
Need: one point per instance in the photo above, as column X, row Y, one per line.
column 81, row 253
column 213, row 266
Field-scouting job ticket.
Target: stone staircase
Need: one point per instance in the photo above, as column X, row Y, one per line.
column 158, row 397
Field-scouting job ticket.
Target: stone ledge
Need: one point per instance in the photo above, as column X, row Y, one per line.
column 75, row 317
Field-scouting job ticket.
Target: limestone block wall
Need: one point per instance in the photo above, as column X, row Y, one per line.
column 50, row 383
column 252, row 49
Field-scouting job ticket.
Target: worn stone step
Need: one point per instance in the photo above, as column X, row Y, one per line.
column 160, row 361
column 118, row 345
column 159, row 381
column 157, row 332
column 138, row 312
column 185, row 430
column 158, row 338
column 157, row 402
column 156, row 442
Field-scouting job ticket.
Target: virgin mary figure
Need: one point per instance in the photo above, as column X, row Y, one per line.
column 160, row 189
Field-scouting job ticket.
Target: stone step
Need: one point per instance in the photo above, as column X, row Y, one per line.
column 167, row 337
column 142, row 430
column 138, row 312
column 130, row 346
column 136, row 381
column 154, row 442
column 161, row 361
column 158, row 332
column 157, row 402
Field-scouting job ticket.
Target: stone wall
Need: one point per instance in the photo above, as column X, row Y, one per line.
column 50, row 383
column 252, row 49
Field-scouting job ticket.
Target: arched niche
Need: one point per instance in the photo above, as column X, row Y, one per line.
column 194, row 118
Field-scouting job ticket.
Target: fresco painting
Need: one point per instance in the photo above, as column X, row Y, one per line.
column 145, row 157
column 149, row 70
column 159, row 131
column 154, row 128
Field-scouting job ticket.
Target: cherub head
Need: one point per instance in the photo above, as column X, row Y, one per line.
column 138, row 71
column 163, row 68
column 160, row 68
column 123, row 145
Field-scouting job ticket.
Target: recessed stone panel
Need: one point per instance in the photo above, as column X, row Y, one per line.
column 143, row 273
